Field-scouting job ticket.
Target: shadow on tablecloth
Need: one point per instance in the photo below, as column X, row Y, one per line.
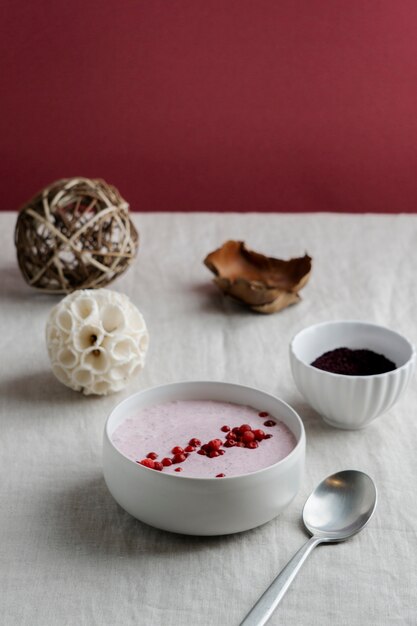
column 15, row 289
column 85, row 518
column 40, row 388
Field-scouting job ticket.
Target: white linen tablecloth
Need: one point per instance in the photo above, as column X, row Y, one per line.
column 69, row 555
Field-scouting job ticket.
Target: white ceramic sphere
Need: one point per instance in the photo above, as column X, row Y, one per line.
column 203, row 506
column 96, row 340
column 350, row 402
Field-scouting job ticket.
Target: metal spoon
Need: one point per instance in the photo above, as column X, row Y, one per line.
column 339, row 507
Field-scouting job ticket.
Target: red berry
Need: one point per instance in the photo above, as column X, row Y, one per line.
column 268, row 436
column 215, row 444
column 263, row 414
column 166, row 462
column 220, row 475
column 152, row 455
column 259, row 434
column 178, row 469
column 225, row 429
column 201, row 451
column 213, row 454
column 178, row 458
column 194, row 442
column 269, row 423
column 189, row 449
column 177, row 450
column 248, row 436
column 158, row 466
column 244, row 428
column 147, row 463
column 252, row 444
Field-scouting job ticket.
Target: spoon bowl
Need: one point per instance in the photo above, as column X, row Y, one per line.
column 339, row 507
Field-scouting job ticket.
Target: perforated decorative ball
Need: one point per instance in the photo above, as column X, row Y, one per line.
column 97, row 341
column 74, row 234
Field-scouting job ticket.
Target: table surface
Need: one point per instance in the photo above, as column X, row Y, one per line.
column 69, row 555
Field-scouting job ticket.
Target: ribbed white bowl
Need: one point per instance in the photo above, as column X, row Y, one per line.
column 350, row 401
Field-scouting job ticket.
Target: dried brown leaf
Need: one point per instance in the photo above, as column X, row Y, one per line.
column 265, row 284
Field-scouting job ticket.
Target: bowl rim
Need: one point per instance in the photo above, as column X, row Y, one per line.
column 299, row 445
column 348, row 376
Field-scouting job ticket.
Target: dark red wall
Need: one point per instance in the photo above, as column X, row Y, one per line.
column 213, row 105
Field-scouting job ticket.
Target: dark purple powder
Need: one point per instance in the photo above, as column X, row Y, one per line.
column 353, row 362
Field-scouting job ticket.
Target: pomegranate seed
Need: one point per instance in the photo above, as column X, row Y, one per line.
column 189, row 449
column 269, row 423
column 229, row 444
column 236, row 430
column 248, row 436
column 177, row 450
column 152, row 455
column 225, row 429
column 213, row 454
column 194, row 442
column 221, row 452
column 268, row 436
column 166, row 462
column 178, row 469
column 147, row 463
column 263, row 414
column 201, row 451
column 240, row 444
column 230, row 436
column 252, row 444
column 178, row 458
column 215, row 444
column 158, row 466
column 259, row 434
column 244, row 428
column 220, row 475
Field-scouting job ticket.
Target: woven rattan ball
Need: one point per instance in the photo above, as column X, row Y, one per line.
column 75, row 234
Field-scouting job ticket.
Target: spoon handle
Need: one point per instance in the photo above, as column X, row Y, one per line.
column 268, row 602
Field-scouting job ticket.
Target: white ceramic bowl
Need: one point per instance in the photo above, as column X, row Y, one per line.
column 350, row 402
column 203, row 506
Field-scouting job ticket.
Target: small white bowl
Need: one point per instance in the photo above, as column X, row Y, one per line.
column 343, row 401
column 203, row 506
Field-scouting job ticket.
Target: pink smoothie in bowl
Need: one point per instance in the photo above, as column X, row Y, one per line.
column 204, row 438
column 203, row 457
